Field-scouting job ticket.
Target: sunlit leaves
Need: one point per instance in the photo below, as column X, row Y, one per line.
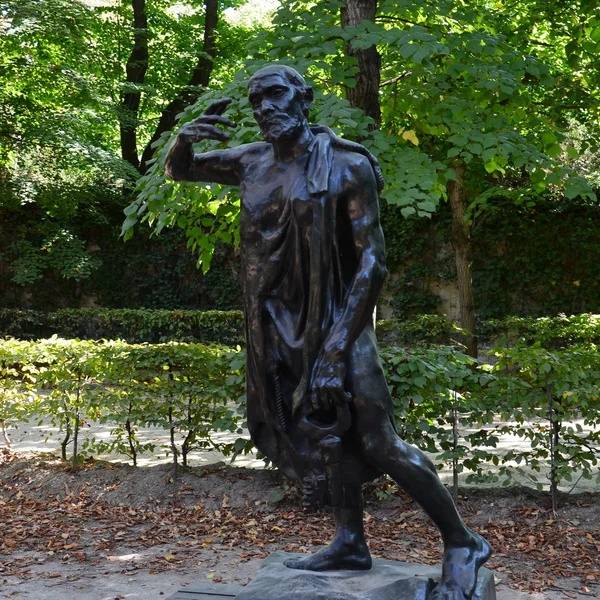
column 463, row 83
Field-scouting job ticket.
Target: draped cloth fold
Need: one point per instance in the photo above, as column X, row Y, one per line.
column 321, row 296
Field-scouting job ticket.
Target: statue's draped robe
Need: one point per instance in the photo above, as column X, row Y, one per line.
column 294, row 282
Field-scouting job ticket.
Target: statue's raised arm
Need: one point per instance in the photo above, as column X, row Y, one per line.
column 218, row 166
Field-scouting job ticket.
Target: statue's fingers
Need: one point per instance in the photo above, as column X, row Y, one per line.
column 326, row 399
column 340, row 397
column 210, row 132
column 218, row 106
column 217, row 120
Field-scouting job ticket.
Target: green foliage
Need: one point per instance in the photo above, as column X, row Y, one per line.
column 206, row 212
column 192, row 389
column 528, row 260
column 415, row 259
column 510, row 89
column 62, row 179
column 459, row 89
column 227, row 327
column 62, row 252
column 68, row 380
column 189, row 389
column 421, row 329
column 539, row 260
column 426, row 385
column 135, row 326
column 444, row 401
column 550, row 332
column 15, row 399
column 550, row 399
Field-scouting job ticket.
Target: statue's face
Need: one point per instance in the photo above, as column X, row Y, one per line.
column 277, row 107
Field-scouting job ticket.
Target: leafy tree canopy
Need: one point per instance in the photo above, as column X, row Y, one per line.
column 463, row 84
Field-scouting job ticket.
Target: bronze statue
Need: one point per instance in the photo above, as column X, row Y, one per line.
column 313, row 263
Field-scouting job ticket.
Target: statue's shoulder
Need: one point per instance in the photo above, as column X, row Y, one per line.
column 354, row 160
column 351, row 158
column 353, row 167
column 246, row 154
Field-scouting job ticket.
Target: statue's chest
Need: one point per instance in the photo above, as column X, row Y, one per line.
column 273, row 197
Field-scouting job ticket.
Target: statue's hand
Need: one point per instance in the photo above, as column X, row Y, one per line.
column 328, row 384
column 203, row 128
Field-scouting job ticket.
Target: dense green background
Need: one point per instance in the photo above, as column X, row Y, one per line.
column 506, row 91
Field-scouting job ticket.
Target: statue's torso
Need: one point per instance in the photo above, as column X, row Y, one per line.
column 266, row 188
column 275, row 236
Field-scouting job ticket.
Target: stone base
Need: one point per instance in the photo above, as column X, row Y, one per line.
column 387, row 580
column 208, row 591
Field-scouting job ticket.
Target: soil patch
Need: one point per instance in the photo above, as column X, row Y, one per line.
column 217, row 523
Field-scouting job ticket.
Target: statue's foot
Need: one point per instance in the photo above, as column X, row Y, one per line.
column 338, row 555
column 459, row 569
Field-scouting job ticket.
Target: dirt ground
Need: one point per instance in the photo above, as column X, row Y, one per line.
column 110, row 531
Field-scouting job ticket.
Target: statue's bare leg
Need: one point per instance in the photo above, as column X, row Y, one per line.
column 464, row 550
column 348, row 550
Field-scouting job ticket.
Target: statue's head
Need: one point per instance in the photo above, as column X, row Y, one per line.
column 280, row 99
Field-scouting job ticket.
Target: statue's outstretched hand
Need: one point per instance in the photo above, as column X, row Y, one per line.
column 204, row 127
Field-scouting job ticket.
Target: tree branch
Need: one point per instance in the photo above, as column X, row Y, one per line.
column 136, row 68
column 391, row 19
column 396, row 79
column 199, row 80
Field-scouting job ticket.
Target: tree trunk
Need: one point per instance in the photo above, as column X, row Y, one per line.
column 461, row 240
column 365, row 95
column 76, row 425
column 136, row 68
column 131, row 433
column 173, row 444
column 199, row 79
column 5, row 433
column 75, row 441
column 554, row 435
column 455, row 449
column 65, row 440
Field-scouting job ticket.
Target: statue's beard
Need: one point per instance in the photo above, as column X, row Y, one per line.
column 281, row 127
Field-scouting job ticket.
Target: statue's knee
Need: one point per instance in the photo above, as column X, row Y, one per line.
column 416, row 459
column 387, row 451
column 371, row 447
column 381, row 449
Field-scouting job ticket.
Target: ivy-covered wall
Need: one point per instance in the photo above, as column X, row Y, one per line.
column 541, row 260
column 48, row 262
column 538, row 260
column 529, row 261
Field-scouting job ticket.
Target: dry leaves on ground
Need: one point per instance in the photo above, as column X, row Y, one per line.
column 532, row 550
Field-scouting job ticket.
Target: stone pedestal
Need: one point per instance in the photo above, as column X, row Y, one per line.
column 387, row 580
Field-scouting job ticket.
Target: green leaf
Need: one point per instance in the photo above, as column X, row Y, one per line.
column 572, row 152
column 427, row 206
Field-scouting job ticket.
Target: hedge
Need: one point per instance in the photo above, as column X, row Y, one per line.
column 188, row 389
column 227, row 327
column 133, row 325
column 444, row 401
